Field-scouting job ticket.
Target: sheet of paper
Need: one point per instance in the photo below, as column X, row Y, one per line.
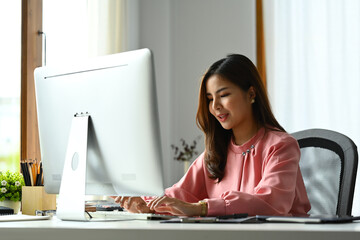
column 21, row 217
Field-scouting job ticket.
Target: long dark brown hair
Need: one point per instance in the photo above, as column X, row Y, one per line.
column 239, row 70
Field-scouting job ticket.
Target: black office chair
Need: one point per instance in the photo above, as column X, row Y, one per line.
column 328, row 165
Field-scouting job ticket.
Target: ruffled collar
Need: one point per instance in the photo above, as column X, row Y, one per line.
column 250, row 144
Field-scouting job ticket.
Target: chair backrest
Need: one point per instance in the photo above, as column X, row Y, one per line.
column 328, row 165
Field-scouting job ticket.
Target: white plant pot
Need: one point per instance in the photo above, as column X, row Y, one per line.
column 186, row 166
column 11, row 204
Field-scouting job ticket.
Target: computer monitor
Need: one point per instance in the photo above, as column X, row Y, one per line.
column 118, row 94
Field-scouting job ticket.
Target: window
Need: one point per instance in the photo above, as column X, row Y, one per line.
column 313, row 68
column 66, row 39
column 10, row 62
column 90, row 28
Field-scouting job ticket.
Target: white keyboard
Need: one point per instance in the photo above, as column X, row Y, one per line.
column 123, row 215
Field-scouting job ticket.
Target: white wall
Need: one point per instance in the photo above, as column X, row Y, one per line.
column 186, row 37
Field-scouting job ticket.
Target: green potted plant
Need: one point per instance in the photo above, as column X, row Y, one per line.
column 10, row 189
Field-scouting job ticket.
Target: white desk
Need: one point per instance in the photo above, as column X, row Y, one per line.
column 154, row 230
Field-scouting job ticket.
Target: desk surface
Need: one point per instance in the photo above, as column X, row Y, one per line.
column 139, row 229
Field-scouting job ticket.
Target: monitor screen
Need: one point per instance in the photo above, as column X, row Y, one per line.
column 118, row 92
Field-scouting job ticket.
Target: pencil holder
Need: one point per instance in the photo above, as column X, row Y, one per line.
column 35, row 198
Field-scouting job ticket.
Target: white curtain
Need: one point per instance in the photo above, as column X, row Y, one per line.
column 65, row 26
column 88, row 28
column 313, row 66
column 106, row 26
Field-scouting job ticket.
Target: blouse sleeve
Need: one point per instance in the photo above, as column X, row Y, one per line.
column 191, row 187
column 274, row 194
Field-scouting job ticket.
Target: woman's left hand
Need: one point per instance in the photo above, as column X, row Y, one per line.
column 174, row 206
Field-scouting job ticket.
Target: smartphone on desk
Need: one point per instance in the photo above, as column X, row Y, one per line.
column 198, row 219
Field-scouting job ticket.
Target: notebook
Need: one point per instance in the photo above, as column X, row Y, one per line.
column 308, row 219
column 264, row 219
column 123, row 215
column 21, row 217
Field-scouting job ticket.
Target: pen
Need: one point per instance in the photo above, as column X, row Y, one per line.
column 23, row 172
column 26, row 175
column 30, row 170
column 39, row 176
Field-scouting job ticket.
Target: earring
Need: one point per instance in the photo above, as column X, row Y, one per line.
column 253, row 100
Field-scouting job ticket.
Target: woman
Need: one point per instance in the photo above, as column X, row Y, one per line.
column 250, row 164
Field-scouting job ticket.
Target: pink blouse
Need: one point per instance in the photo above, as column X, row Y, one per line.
column 262, row 177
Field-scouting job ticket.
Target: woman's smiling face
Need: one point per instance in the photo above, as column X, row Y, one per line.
column 228, row 103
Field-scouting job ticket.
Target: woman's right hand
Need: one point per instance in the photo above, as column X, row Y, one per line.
column 133, row 204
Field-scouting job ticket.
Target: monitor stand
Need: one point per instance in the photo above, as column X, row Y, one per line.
column 71, row 203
